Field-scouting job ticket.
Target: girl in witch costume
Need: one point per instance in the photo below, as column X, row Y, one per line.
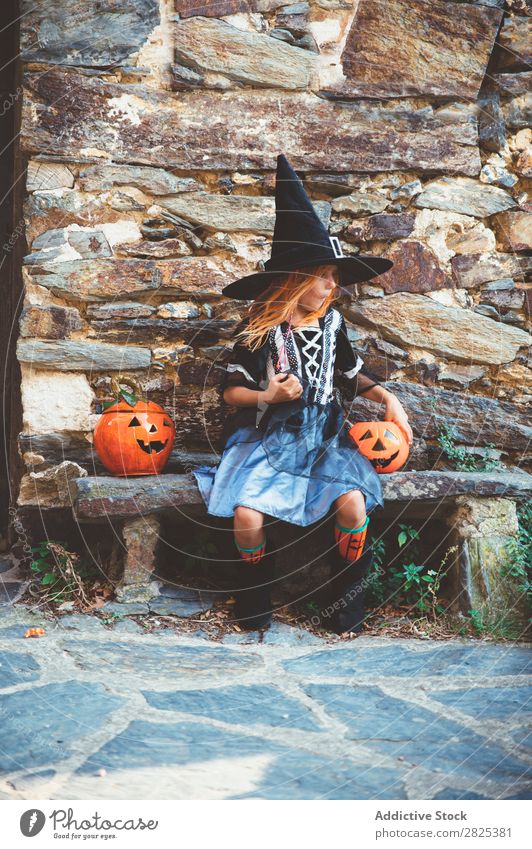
column 287, row 452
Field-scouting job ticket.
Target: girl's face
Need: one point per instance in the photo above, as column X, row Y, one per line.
column 323, row 285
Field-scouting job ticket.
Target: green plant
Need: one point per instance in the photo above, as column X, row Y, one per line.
column 410, row 576
column 520, row 551
column 406, row 534
column 434, row 584
column 503, row 629
column 59, row 574
column 461, row 459
column 406, row 583
column 415, row 585
column 477, row 621
column 112, row 619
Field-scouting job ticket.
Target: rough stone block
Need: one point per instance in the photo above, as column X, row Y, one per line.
column 89, row 34
column 49, row 488
column 141, row 541
column 71, row 408
column 408, row 319
column 210, row 130
column 102, row 280
column 515, row 41
column 415, row 269
column 513, row 230
column 82, row 356
column 232, row 212
column 50, row 322
column 460, row 194
column 154, row 181
column 382, row 55
column 247, row 57
column 43, row 176
column 473, row 269
column 482, row 578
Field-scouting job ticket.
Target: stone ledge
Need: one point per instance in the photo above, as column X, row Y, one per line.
column 123, row 498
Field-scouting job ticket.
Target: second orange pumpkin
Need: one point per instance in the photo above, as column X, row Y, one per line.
column 383, row 443
column 134, row 440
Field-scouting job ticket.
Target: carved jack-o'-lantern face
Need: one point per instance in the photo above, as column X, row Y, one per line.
column 147, row 433
column 134, row 440
column 383, row 443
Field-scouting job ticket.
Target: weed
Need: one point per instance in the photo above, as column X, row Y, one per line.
column 460, row 459
column 520, row 551
column 407, row 583
column 59, row 574
column 504, row 629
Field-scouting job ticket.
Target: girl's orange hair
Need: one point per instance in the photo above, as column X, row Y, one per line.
column 278, row 302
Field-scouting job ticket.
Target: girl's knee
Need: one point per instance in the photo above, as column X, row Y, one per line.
column 246, row 517
column 352, row 507
column 354, row 498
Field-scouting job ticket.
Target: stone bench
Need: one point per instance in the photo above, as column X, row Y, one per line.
column 479, row 509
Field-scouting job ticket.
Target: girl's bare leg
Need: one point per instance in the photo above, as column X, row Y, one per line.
column 350, row 509
column 248, row 526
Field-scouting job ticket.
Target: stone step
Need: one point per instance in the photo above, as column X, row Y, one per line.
column 93, row 498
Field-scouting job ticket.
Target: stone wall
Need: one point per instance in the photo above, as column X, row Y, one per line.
column 152, row 128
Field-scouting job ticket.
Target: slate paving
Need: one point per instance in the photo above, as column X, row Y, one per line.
column 104, row 709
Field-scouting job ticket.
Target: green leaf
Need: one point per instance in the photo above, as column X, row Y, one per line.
column 49, row 578
column 128, row 397
column 107, row 404
column 427, row 578
column 402, row 538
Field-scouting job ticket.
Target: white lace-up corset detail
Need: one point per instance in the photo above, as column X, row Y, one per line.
column 311, row 342
column 309, row 351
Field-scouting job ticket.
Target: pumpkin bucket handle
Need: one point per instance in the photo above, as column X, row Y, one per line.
column 127, row 381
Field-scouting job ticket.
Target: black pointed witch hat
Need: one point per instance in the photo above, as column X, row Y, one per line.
column 300, row 240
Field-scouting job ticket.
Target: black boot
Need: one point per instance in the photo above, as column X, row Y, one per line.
column 343, row 611
column 253, row 607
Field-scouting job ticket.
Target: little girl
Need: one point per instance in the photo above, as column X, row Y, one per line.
column 288, row 453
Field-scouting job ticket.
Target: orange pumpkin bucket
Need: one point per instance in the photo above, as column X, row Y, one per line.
column 383, row 443
column 133, row 437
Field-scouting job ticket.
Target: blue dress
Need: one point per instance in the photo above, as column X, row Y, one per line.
column 291, row 460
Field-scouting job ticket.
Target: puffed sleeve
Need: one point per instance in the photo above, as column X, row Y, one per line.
column 243, row 367
column 350, row 365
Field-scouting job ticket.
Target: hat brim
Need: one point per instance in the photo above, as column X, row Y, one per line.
column 353, row 269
